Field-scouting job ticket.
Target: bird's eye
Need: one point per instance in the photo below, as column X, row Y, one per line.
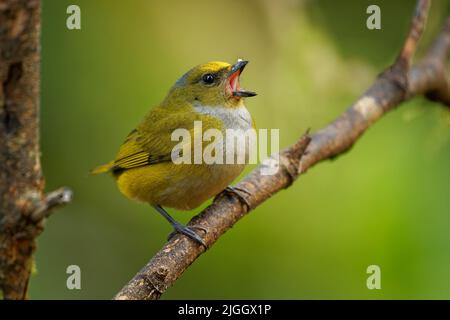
column 208, row 78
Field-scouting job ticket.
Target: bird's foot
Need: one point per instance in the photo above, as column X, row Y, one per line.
column 188, row 232
column 240, row 193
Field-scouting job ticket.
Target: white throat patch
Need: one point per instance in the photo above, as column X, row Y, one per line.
column 232, row 118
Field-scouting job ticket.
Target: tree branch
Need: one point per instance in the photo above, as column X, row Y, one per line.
column 51, row 201
column 395, row 85
column 23, row 205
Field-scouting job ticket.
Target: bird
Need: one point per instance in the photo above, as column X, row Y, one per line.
column 143, row 167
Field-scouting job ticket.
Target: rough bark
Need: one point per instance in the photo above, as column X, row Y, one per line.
column 397, row 84
column 21, row 179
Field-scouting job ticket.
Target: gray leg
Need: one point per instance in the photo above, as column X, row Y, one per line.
column 179, row 227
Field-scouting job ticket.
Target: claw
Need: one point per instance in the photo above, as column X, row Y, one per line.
column 187, row 231
column 239, row 193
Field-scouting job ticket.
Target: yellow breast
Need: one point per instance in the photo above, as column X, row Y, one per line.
column 186, row 186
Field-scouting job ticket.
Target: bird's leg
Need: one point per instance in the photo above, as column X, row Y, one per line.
column 240, row 193
column 187, row 231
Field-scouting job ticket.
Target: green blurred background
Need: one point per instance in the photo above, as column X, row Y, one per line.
column 386, row 202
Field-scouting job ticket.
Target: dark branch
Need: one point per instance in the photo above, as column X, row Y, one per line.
column 429, row 77
column 21, row 181
column 23, row 204
column 395, row 85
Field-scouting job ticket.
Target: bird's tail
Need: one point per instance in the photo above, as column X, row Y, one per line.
column 103, row 168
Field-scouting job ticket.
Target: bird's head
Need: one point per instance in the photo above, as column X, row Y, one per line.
column 211, row 84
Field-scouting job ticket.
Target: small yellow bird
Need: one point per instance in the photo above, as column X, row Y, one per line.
column 143, row 167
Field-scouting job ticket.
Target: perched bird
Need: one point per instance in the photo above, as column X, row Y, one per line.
column 143, row 167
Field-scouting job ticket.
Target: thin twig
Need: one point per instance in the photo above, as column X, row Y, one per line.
column 52, row 200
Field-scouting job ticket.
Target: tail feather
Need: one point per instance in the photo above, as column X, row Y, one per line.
column 103, row 168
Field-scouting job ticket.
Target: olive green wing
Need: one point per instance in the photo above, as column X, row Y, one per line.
column 150, row 143
column 133, row 153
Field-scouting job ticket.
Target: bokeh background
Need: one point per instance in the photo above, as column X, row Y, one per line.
column 386, row 202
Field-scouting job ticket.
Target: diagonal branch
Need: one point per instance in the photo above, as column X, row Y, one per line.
column 395, row 85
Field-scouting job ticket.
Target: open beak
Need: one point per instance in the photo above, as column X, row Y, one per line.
column 233, row 80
